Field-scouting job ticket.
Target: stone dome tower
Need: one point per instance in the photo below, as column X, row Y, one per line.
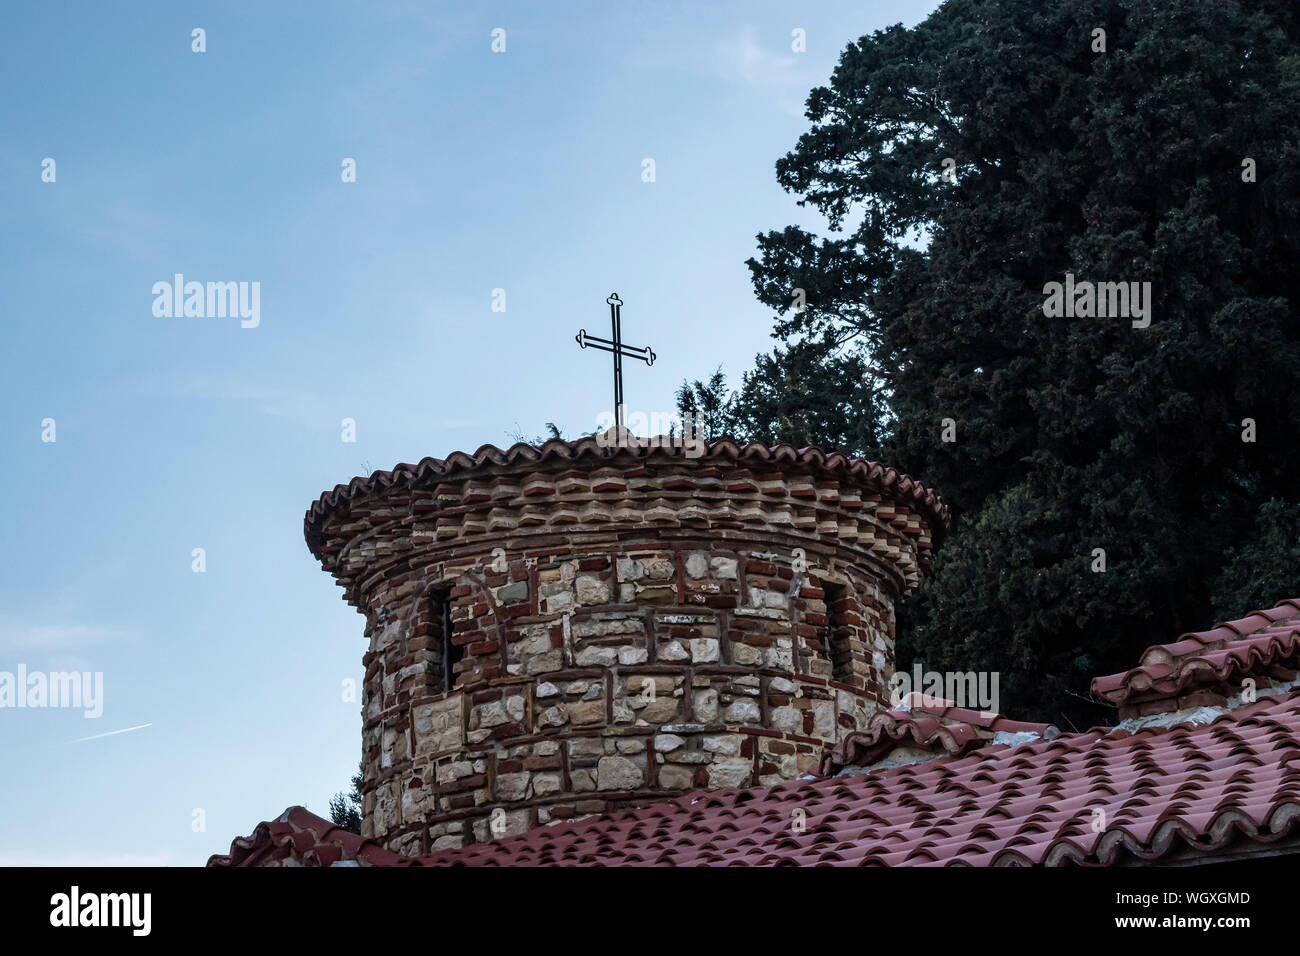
column 578, row 628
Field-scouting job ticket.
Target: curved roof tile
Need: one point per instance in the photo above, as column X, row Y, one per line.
column 930, row 724
column 994, row 805
column 888, row 480
column 1222, row 655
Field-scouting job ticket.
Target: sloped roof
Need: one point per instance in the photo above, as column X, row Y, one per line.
column 926, row 724
column 1256, row 644
column 301, row 836
column 988, row 792
column 558, row 453
column 1104, row 797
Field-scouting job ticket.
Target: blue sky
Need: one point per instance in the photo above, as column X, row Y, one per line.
column 476, row 171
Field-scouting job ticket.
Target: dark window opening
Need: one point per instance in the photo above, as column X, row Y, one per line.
column 445, row 654
column 839, row 632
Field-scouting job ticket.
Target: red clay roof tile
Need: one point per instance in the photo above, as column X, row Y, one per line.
column 888, row 480
column 306, row 838
column 1096, row 798
column 1157, row 790
column 924, row 723
column 1253, row 646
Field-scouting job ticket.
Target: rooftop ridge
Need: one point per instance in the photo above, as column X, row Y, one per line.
column 887, row 480
column 934, row 725
column 1202, row 666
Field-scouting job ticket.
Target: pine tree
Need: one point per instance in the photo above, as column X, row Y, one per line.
column 963, row 165
column 345, row 808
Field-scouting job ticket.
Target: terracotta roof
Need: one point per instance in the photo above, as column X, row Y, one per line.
column 889, row 481
column 926, row 724
column 301, row 836
column 1151, row 792
column 1261, row 644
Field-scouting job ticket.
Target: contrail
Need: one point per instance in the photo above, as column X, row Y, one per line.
column 124, row 730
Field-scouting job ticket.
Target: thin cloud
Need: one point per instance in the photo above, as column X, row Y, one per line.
column 271, row 399
column 769, row 67
column 54, row 638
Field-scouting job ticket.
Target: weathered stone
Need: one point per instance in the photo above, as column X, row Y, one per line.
column 597, row 656
column 689, row 756
column 632, row 655
column 674, row 777
column 725, row 744
column 704, row 650
column 729, row 772
column 706, row 705
column 622, row 711
column 674, row 651
column 558, row 603
column 592, row 590
column 742, row 711
column 618, row 773
column 515, row 706
column 723, row 568
column 787, row 719
column 513, row 592
column 587, row 712
column 697, row 564
column 659, row 710
column 606, row 625
column 512, row 786
column 824, row 718
column 543, row 663
column 492, row 714
column 555, row 716
column 586, row 747
column 545, row 784
column 657, row 569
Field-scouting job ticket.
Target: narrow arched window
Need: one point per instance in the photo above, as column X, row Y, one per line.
column 839, row 631
column 445, row 654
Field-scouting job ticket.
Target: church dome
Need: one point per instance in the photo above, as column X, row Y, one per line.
column 576, row 628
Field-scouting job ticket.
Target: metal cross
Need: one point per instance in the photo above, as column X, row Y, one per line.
column 620, row 350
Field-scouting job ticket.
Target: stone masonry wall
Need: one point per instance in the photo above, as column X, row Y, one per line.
column 690, row 639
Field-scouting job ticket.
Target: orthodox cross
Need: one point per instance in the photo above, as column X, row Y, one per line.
column 620, row 350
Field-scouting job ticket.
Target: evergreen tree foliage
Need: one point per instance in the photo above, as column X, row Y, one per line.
column 960, row 167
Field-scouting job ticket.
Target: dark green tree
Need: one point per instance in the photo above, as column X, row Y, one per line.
column 345, row 808
column 1261, row 569
column 709, row 404
column 962, row 165
column 814, row 392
